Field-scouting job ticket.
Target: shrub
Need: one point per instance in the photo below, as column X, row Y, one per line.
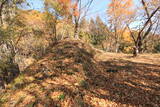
column 126, row 48
column 83, row 84
column 157, row 48
column 61, row 97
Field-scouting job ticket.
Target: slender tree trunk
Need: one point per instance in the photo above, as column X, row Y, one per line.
column 12, row 55
column 53, row 35
column 117, row 47
column 76, row 31
column 117, row 44
column 1, row 10
column 1, row 20
column 103, row 47
column 55, row 30
column 116, row 40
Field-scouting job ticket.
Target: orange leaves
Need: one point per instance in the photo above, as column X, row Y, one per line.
column 65, row 5
column 75, row 5
column 65, row 8
column 117, row 7
column 120, row 11
column 64, row 1
column 75, row 9
column 71, row 7
column 75, row 13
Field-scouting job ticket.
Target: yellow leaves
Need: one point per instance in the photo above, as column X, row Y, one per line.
column 120, row 9
column 32, row 17
column 128, row 49
column 126, row 36
column 63, row 7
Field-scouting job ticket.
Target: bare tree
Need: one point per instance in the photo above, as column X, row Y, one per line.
column 145, row 30
column 117, row 20
column 80, row 10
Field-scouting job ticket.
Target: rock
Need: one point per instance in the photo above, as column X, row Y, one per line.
column 2, row 86
column 12, row 71
column 8, row 74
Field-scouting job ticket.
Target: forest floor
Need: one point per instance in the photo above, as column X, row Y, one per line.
column 75, row 75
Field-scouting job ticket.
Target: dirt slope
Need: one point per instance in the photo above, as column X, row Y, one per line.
column 72, row 76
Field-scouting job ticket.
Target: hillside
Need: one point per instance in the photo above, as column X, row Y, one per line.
column 73, row 74
column 79, row 53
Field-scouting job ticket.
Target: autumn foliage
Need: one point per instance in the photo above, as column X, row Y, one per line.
column 64, row 7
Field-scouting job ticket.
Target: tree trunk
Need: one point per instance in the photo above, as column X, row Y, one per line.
column 1, row 20
column 11, row 56
column 103, row 47
column 1, row 10
column 55, row 33
column 117, row 47
column 137, row 48
column 135, row 51
column 76, row 33
column 116, row 40
column 55, row 30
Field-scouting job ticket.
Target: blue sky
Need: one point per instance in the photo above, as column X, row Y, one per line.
column 98, row 7
column 36, row 4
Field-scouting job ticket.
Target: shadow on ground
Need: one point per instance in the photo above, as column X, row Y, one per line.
column 69, row 76
column 135, row 84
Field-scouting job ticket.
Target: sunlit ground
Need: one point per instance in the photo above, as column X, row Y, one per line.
column 71, row 77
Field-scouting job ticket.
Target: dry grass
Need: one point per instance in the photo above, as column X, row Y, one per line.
column 71, row 76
